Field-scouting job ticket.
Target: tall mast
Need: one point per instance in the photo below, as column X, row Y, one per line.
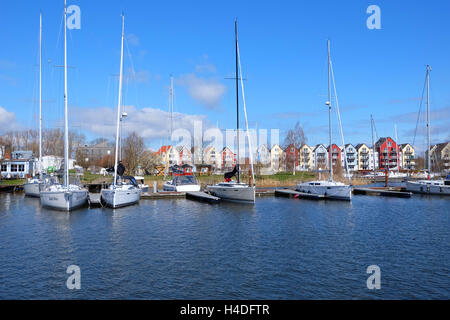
column 237, row 100
column 171, row 107
column 40, row 95
column 66, row 115
column 428, row 119
column 119, row 102
column 329, row 114
column 373, row 145
column 397, row 149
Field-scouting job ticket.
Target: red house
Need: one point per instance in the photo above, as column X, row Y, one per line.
column 291, row 154
column 335, row 153
column 387, row 152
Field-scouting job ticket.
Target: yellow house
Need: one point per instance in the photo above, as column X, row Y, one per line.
column 276, row 158
column 407, row 154
column 210, row 156
column 305, row 157
column 363, row 157
column 168, row 155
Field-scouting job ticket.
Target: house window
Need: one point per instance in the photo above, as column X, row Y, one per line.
column 4, row 168
column 21, row 167
column 389, row 144
column 14, row 168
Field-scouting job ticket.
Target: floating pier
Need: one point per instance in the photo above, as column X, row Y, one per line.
column 202, row 196
column 289, row 193
column 382, row 192
column 94, row 200
column 162, row 195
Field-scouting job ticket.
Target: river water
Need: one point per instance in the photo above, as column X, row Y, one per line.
column 180, row 249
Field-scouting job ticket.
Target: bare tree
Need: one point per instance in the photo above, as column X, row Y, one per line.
column 133, row 148
column 296, row 138
column 149, row 161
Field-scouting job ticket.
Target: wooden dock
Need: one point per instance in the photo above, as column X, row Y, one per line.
column 94, row 200
column 265, row 192
column 289, row 193
column 384, row 192
column 202, row 196
column 163, row 195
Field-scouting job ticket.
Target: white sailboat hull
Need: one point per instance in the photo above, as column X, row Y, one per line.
column 33, row 189
column 66, row 200
column 240, row 193
column 116, row 198
column 331, row 191
column 428, row 187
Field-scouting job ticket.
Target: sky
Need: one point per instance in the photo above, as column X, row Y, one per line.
column 379, row 72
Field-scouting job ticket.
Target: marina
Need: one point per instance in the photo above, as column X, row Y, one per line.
column 173, row 151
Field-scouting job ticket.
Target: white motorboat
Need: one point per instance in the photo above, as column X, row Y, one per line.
column 330, row 189
column 432, row 187
column 120, row 194
column 64, row 196
column 233, row 191
column 182, row 184
column 141, row 183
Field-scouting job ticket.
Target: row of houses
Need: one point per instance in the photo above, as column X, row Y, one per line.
column 386, row 154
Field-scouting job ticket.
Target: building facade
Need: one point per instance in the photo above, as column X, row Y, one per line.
column 407, row 156
column 305, row 157
column 350, row 159
column 320, row 157
column 387, row 151
column 276, row 158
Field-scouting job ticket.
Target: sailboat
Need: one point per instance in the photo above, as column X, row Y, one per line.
column 181, row 181
column 428, row 186
column 120, row 194
column 34, row 185
column 328, row 188
column 64, row 196
column 235, row 190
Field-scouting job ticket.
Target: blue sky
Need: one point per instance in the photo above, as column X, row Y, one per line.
column 283, row 55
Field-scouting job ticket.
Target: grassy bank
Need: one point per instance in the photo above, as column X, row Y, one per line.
column 12, row 182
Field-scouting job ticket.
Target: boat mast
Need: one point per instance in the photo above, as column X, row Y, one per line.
column 398, row 150
column 237, row 100
column 171, row 107
column 66, row 115
column 428, row 120
column 40, row 95
column 373, row 146
column 119, row 102
column 329, row 114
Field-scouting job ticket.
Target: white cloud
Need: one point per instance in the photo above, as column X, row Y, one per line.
column 208, row 92
column 149, row 123
column 8, row 121
column 133, row 39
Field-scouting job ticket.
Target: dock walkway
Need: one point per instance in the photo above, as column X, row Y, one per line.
column 296, row 194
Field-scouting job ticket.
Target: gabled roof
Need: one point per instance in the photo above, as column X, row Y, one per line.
column 318, row 145
column 163, row 149
column 358, row 146
column 441, row 146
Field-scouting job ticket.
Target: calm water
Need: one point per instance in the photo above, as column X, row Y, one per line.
column 180, row 249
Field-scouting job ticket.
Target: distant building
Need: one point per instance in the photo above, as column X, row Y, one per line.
column 276, row 158
column 335, row 154
column 263, row 156
column 184, row 156
column 95, row 153
column 227, row 159
column 387, row 151
column 291, row 157
column 305, row 157
column 363, row 152
column 407, row 156
column 320, row 157
column 168, row 155
column 440, row 157
column 17, row 165
column 351, row 158
column 210, row 157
